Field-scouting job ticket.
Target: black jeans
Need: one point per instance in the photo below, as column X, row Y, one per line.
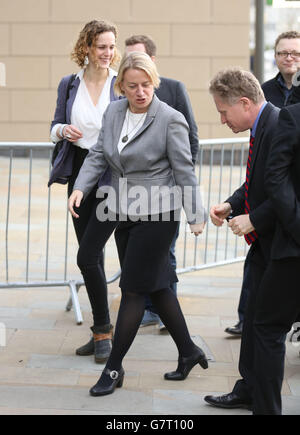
column 244, row 387
column 90, row 262
column 92, row 236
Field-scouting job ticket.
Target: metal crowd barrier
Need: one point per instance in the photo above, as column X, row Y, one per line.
column 38, row 245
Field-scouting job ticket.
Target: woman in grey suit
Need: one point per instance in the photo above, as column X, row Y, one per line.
column 146, row 145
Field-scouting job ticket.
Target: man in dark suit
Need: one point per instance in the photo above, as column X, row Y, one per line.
column 278, row 302
column 280, row 92
column 240, row 101
column 172, row 92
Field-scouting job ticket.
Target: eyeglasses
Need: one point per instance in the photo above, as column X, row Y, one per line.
column 286, row 54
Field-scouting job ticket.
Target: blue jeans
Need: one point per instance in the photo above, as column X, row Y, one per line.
column 148, row 304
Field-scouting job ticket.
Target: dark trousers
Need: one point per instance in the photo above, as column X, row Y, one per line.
column 277, row 307
column 90, row 262
column 246, row 285
column 87, row 205
column 92, row 236
column 245, row 289
column 258, row 265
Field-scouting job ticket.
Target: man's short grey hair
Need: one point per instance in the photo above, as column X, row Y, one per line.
column 232, row 84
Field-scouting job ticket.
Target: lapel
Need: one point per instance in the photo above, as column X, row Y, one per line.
column 149, row 118
column 72, row 94
column 259, row 135
column 119, row 121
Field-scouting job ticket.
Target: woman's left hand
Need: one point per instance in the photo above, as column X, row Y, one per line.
column 75, row 201
column 197, row 228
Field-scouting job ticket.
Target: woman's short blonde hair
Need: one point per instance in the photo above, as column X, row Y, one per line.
column 87, row 38
column 233, row 83
column 136, row 60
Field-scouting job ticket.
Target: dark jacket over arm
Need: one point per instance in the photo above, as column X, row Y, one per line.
column 63, row 163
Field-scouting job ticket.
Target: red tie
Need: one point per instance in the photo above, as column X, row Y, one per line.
column 250, row 237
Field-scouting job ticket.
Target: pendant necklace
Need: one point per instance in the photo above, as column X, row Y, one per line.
column 126, row 137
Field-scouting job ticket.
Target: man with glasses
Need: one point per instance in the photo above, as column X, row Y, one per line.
column 280, row 90
column 287, row 57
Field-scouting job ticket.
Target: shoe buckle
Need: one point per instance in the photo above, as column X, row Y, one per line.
column 114, row 374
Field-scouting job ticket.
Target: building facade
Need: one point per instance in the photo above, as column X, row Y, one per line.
column 195, row 39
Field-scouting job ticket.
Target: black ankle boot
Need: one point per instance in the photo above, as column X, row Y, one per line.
column 108, row 386
column 102, row 337
column 86, row 349
column 99, row 345
column 185, row 365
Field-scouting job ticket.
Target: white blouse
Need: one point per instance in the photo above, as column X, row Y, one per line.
column 132, row 123
column 85, row 115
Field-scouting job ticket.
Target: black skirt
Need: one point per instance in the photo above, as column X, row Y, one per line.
column 143, row 249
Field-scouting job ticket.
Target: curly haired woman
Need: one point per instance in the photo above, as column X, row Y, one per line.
column 81, row 102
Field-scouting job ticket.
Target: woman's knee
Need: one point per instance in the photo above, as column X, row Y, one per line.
column 86, row 259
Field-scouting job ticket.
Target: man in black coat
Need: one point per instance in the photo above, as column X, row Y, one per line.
column 278, row 302
column 287, row 55
column 240, row 101
column 173, row 93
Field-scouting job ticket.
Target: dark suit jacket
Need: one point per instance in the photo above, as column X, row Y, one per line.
column 175, row 95
column 262, row 215
column 282, row 182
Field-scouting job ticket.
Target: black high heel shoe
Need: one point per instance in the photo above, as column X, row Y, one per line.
column 117, row 382
column 185, row 365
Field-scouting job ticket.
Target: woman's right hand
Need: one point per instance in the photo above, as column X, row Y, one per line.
column 71, row 133
column 75, row 200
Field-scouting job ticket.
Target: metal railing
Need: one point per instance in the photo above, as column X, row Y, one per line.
column 38, row 241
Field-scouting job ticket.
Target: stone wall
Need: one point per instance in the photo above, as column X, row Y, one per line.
column 195, row 38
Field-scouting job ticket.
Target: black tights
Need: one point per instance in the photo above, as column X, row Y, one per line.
column 129, row 318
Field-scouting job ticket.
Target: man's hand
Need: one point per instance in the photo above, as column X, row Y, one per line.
column 220, row 212
column 241, row 225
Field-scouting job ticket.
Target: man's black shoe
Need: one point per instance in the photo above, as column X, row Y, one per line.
column 235, row 330
column 229, row 401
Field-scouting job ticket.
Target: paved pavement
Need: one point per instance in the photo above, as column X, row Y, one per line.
column 40, row 374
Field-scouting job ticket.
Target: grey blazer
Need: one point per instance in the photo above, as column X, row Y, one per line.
column 155, row 165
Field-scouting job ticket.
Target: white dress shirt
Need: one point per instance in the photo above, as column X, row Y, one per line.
column 85, row 115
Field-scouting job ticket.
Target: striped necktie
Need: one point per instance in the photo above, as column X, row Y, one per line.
column 250, row 237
